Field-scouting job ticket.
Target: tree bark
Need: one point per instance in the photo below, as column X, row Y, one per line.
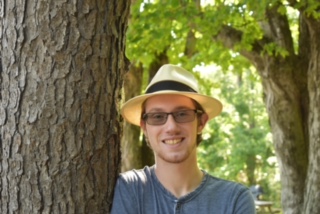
column 284, row 110
column 311, row 195
column 61, row 71
column 131, row 143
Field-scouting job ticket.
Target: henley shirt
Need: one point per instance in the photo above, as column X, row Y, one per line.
column 140, row 192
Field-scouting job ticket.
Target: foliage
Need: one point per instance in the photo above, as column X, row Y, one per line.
column 242, row 132
column 155, row 27
column 239, row 140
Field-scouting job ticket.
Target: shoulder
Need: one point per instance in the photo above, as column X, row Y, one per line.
column 237, row 195
column 136, row 175
column 227, row 189
column 223, row 185
column 129, row 190
column 134, row 183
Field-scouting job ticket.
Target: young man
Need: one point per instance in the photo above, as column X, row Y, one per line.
column 172, row 115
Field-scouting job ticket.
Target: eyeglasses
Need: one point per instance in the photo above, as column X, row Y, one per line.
column 181, row 116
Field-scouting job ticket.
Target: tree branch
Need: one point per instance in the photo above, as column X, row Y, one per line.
column 275, row 29
column 229, row 37
column 279, row 29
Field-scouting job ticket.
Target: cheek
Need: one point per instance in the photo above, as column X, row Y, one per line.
column 151, row 137
column 149, row 132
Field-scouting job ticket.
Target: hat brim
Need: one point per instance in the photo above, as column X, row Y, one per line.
column 131, row 110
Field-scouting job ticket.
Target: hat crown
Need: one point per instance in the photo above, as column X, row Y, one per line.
column 176, row 74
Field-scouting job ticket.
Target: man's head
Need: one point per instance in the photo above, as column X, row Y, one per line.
column 170, row 80
column 171, row 124
column 157, row 110
column 183, row 113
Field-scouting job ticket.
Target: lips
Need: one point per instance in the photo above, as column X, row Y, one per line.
column 172, row 141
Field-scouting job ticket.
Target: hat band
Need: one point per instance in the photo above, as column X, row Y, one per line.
column 169, row 85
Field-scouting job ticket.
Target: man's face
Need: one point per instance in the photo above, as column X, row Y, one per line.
column 172, row 142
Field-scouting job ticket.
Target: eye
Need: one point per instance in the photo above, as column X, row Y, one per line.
column 156, row 116
column 181, row 113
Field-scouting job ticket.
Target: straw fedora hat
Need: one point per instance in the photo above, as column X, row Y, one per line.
column 170, row 79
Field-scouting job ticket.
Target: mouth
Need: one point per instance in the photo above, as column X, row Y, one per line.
column 172, row 141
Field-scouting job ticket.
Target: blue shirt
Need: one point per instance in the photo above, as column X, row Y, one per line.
column 140, row 192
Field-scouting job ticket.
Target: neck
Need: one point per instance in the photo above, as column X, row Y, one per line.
column 179, row 178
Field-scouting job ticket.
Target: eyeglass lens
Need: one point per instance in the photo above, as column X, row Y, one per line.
column 160, row 118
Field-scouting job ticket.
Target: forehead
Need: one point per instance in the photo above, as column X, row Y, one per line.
column 168, row 102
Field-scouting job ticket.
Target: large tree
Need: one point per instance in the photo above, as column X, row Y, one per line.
column 136, row 152
column 61, row 71
column 281, row 39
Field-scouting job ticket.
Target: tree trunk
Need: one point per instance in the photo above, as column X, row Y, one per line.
column 312, row 188
column 136, row 152
column 282, row 101
column 292, row 97
column 61, row 71
column 131, row 146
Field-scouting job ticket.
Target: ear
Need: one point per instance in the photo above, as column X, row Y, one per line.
column 202, row 122
column 143, row 126
column 144, row 129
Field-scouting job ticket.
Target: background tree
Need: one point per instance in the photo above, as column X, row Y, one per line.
column 237, row 145
column 281, row 39
column 132, row 156
column 61, row 70
column 136, row 151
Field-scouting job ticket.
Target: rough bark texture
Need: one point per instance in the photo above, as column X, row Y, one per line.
column 61, row 71
column 292, row 97
column 312, row 195
column 282, row 101
column 131, row 146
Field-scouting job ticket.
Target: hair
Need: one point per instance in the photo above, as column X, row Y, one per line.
column 197, row 105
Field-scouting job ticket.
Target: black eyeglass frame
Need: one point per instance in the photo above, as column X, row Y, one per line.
column 196, row 111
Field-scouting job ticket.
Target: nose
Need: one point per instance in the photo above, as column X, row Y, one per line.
column 171, row 124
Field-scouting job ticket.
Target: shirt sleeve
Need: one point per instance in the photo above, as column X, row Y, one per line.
column 245, row 203
column 123, row 200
